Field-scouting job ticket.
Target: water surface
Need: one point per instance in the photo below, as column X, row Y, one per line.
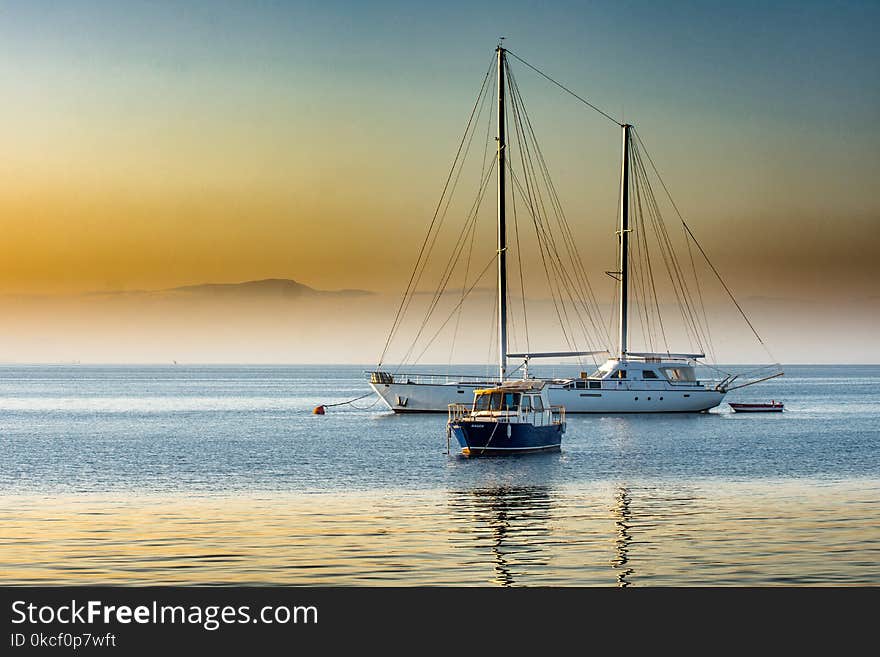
column 158, row 475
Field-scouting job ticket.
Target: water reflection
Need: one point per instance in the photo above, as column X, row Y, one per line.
column 622, row 517
column 659, row 534
column 509, row 523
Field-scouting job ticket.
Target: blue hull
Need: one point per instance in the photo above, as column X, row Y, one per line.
column 492, row 439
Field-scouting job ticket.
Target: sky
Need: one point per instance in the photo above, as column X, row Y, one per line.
column 149, row 145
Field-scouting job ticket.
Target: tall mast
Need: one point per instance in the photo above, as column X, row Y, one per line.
column 624, row 240
column 502, row 230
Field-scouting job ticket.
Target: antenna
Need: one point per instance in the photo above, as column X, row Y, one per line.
column 501, row 41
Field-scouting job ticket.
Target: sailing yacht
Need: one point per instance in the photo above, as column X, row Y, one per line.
column 629, row 381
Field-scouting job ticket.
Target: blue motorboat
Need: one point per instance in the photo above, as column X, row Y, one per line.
column 512, row 418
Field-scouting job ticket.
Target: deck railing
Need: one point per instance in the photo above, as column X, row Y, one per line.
column 433, row 378
column 457, row 412
column 381, row 377
column 552, row 415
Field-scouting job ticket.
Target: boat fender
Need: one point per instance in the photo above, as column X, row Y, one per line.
column 319, row 410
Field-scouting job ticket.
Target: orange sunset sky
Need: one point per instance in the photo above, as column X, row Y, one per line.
column 152, row 145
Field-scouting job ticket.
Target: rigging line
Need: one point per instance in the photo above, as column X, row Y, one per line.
column 443, row 325
column 651, row 274
column 590, row 302
column 493, row 335
column 700, row 297
column 756, row 371
column 549, row 271
column 670, row 259
column 701, row 328
column 692, row 314
column 450, row 263
column 456, row 252
column 473, row 230
column 613, row 317
column 519, row 261
column 541, row 250
column 709, row 262
column 467, row 269
column 488, row 141
column 557, row 272
column 566, row 89
column 529, row 194
column 509, row 317
column 453, row 260
column 511, row 321
column 461, row 168
column 539, row 209
column 665, row 247
column 470, row 225
column 642, row 267
column 541, row 230
column 403, row 303
column 633, row 261
column 645, row 266
column 637, row 273
column 638, row 278
column 527, row 200
column 585, row 289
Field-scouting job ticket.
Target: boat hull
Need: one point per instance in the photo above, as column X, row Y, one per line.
column 436, row 397
column 501, row 438
column 756, row 408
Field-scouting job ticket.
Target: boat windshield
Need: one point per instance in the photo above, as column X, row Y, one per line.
column 685, row 373
column 497, row 401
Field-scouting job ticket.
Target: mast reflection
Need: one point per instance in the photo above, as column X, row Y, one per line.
column 622, row 518
column 509, row 524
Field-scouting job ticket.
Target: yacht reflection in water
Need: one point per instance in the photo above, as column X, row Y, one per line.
column 622, row 517
column 510, row 523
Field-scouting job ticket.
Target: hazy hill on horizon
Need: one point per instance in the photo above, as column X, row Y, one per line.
column 266, row 287
column 279, row 320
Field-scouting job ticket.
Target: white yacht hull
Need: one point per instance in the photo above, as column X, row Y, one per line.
column 627, row 397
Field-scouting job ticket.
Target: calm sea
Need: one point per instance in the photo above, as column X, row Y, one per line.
column 214, row 474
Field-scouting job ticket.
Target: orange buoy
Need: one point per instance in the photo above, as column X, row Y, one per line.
column 318, row 410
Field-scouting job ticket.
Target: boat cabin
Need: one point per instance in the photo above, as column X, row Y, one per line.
column 507, row 401
column 645, row 372
column 513, row 401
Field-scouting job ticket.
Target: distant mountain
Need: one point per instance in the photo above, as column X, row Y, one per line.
column 269, row 288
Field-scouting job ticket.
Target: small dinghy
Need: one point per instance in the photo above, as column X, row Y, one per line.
column 772, row 407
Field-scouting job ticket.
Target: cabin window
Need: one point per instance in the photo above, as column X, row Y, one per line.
column 649, row 374
column 497, row 401
column 679, row 373
column 595, row 384
column 620, row 374
column 537, row 404
column 526, row 403
column 581, row 385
